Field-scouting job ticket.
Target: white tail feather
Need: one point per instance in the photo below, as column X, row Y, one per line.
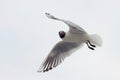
column 96, row 39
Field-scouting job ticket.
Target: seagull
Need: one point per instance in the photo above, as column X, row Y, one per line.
column 71, row 41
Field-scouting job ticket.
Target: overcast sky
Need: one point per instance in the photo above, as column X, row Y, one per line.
column 27, row 36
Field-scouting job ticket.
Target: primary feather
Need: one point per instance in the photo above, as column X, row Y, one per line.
column 57, row 55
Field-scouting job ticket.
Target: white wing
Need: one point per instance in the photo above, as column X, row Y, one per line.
column 74, row 28
column 57, row 55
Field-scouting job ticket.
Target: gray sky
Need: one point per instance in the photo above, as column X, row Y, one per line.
column 27, row 36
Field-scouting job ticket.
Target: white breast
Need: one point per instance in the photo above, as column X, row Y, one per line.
column 79, row 38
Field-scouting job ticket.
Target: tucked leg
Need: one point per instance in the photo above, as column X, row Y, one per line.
column 91, row 43
column 89, row 46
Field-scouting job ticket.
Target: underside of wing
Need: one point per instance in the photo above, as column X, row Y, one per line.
column 57, row 55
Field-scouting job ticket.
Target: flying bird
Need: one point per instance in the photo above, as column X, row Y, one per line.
column 71, row 41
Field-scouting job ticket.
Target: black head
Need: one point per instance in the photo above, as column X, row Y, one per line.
column 61, row 34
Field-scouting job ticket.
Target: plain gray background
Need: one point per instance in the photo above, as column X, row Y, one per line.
column 27, row 36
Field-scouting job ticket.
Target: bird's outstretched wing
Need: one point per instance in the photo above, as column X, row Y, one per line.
column 73, row 28
column 58, row 53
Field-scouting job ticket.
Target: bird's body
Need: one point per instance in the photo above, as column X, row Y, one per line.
column 78, row 38
column 71, row 40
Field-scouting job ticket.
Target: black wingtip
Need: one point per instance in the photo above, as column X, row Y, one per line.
column 47, row 13
column 46, row 70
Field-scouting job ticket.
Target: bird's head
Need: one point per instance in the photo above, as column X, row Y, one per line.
column 62, row 34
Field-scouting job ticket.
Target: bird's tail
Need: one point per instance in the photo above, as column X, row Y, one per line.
column 95, row 39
